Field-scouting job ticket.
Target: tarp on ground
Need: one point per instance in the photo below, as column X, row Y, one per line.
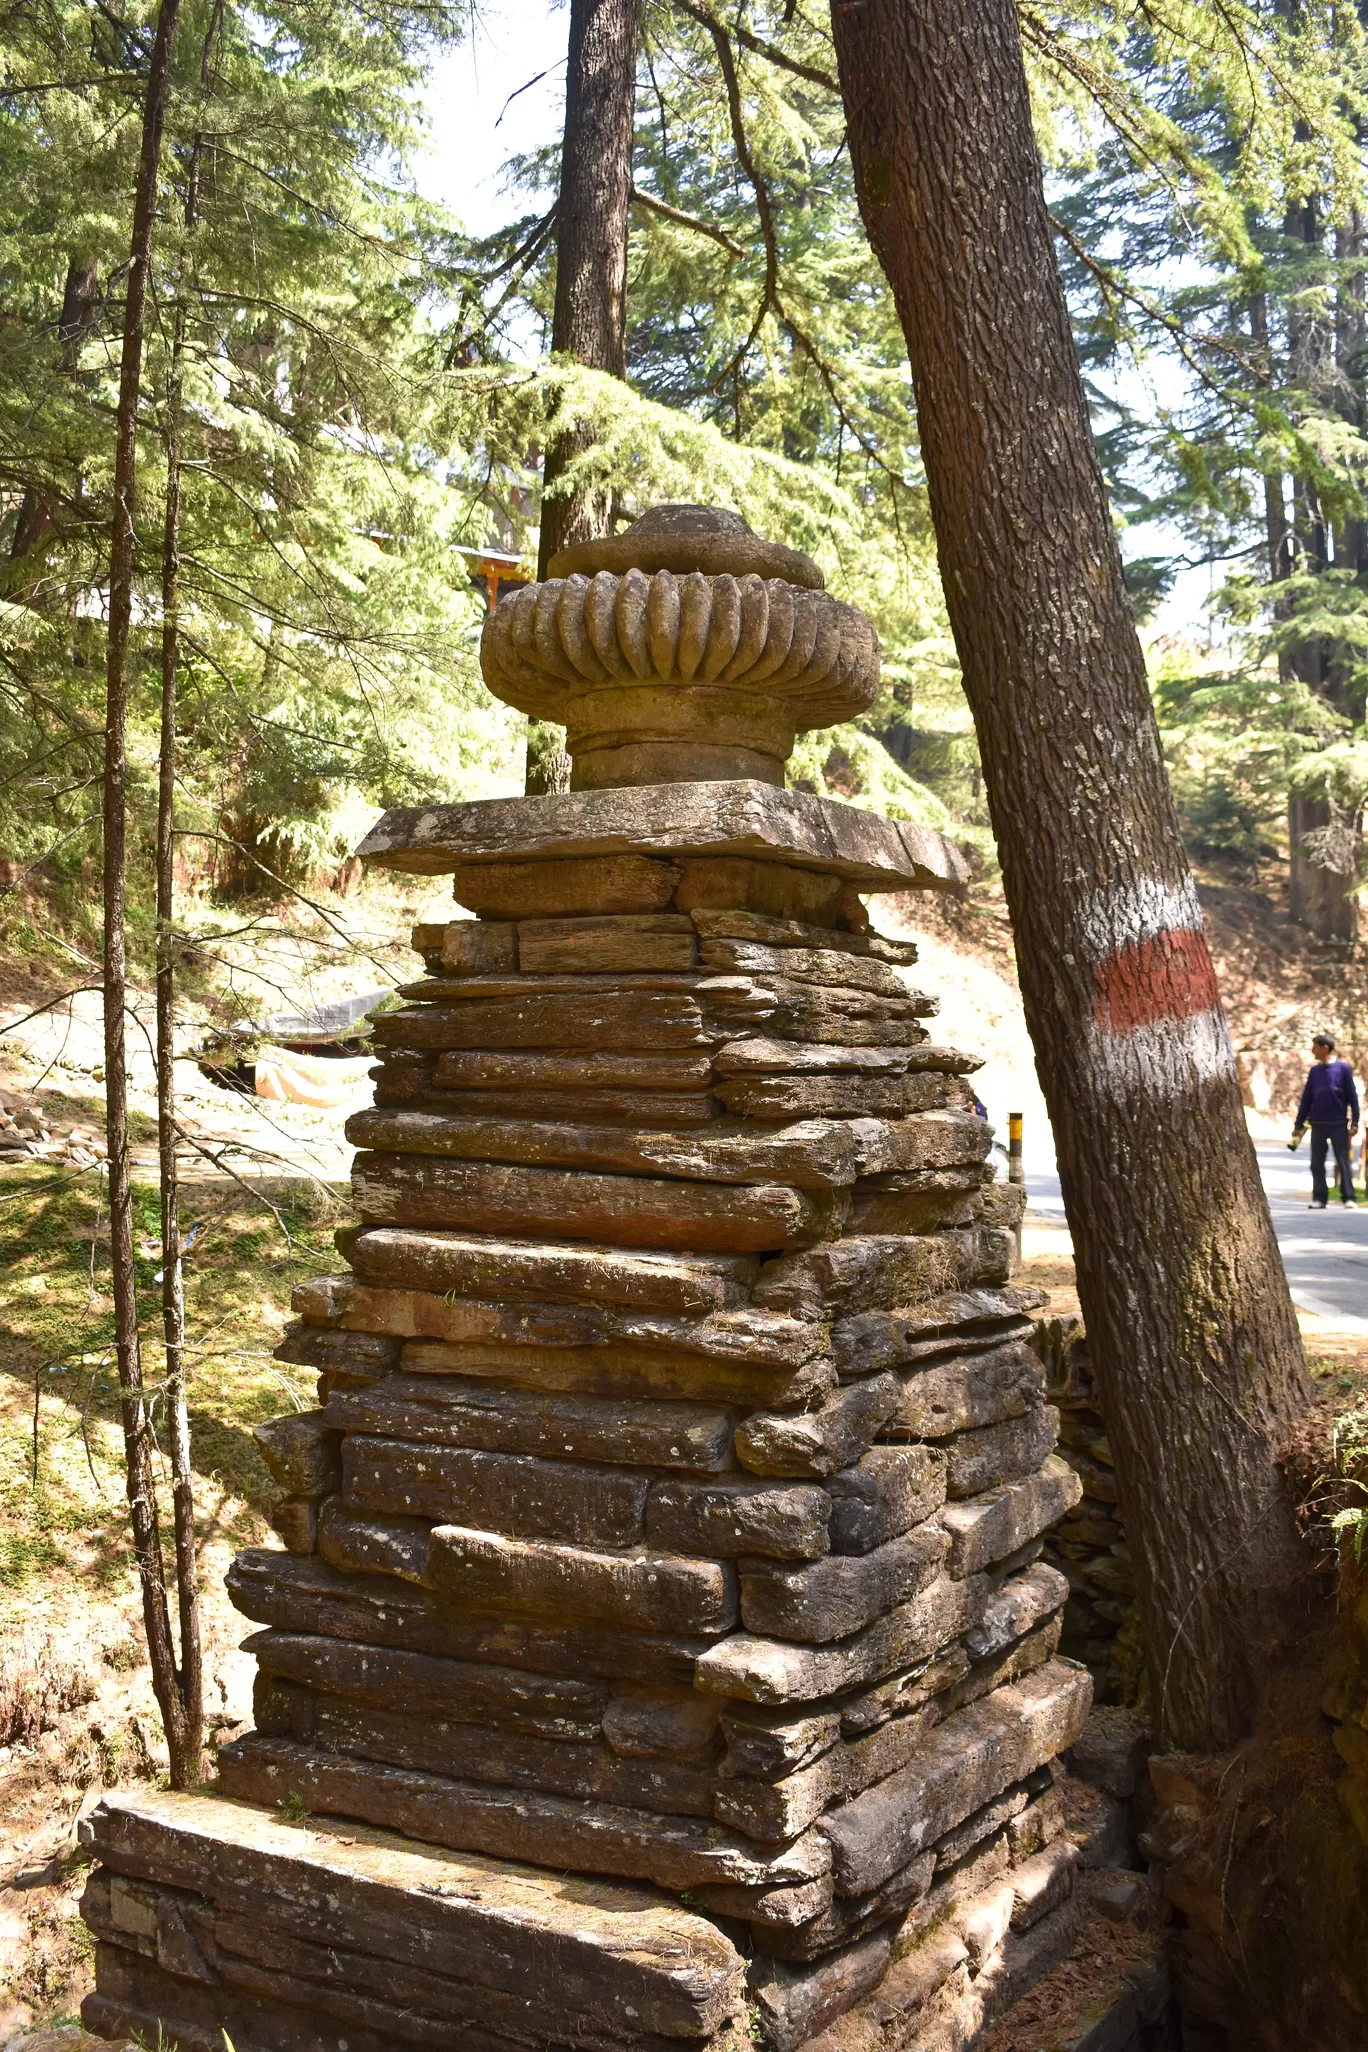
column 328, row 1082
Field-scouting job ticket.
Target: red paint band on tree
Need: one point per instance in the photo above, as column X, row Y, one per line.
column 1169, row 977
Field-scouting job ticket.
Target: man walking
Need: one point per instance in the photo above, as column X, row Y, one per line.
column 1330, row 1106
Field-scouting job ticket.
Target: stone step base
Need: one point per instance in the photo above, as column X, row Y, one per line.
column 214, row 1915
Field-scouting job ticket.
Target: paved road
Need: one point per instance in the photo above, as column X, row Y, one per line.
column 1325, row 1253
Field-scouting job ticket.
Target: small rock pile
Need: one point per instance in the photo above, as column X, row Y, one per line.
column 27, row 1135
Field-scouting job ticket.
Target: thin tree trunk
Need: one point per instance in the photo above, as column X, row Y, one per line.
column 173, row 1277
column 1178, row 1272
column 589, row 321
column 137, row 1438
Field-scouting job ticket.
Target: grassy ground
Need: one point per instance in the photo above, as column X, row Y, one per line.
column 76, row 1709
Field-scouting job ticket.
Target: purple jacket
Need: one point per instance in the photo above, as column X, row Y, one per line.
column 1328, row 1096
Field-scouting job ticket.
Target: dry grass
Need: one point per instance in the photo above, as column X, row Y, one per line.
column 77, row 1714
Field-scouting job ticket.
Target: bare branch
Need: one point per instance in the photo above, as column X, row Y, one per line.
column 652, row 205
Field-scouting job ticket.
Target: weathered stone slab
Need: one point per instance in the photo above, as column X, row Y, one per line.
column 773, row 890
column 842, row 1920
column 655, row 1111
column 1044, row 1883
column 866, row 1341
column 821, row 1441
column 310, row 1596
column 426, row 1410
column 779, row 1810
column 573, row 1836
column 359, row 1306
column 632, row 1211
column 690, row 1285
column 794, row 2003
column 901, row 1692
column 963, row 1395
column 551, row 1707
column 295, row 1519
column 766, row 1339
column 865, row 1272
column 984, row 1824
column 301, row 1453
column 663, row 1727
column 763, row 1670
column 835, row 1097
column 297, row 1997
column 920, row 1201
column 514, row 1494
column 1022, row 1657
column 607, row 1019
column 796, row 933
column 817, row 1154
column 737, row 818
column 363, row 1353
column 761, row 1057
column 804, row 1012
column 619, row 1369
column 511, row 889
column 653, row 940
column 271, row 1993
column 768, row 1745
column 431, row 993
column 1015, row 1609
column 774, row 1909
column 963, row 1764
column 603, row 1070
column 565, row 1943
column 725, row 1519
column 361, row 1543
column 824, row 966
column 441, row 1743
column 831, row 1598
column 638, row 1592
column 468, row 947
column 975, row 1461
column 884, row 1493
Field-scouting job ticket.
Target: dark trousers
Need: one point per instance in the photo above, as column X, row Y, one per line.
column 1338, row 1138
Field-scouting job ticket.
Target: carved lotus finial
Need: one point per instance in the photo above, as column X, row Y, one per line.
column 685, row 649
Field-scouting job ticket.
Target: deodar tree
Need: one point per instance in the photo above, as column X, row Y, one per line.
column 1189, row 1318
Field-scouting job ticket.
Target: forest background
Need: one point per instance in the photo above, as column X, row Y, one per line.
column 361, row 392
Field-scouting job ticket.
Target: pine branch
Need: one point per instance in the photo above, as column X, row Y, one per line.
column 705, row 17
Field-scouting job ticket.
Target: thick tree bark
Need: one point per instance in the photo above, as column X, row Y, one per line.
column 589, row 321
column 590, row 317
column 1178, row 1272
column 183, row 1743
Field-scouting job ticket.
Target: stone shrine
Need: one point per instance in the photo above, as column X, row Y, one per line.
column 661, row 1655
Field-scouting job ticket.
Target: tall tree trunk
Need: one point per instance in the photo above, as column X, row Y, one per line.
column 1320, row 896
column 1178, row 1272
column 173, row 1274
column 589, row 322
column 166, row 1679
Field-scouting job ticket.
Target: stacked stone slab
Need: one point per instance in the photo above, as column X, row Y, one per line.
column 673, row 1511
